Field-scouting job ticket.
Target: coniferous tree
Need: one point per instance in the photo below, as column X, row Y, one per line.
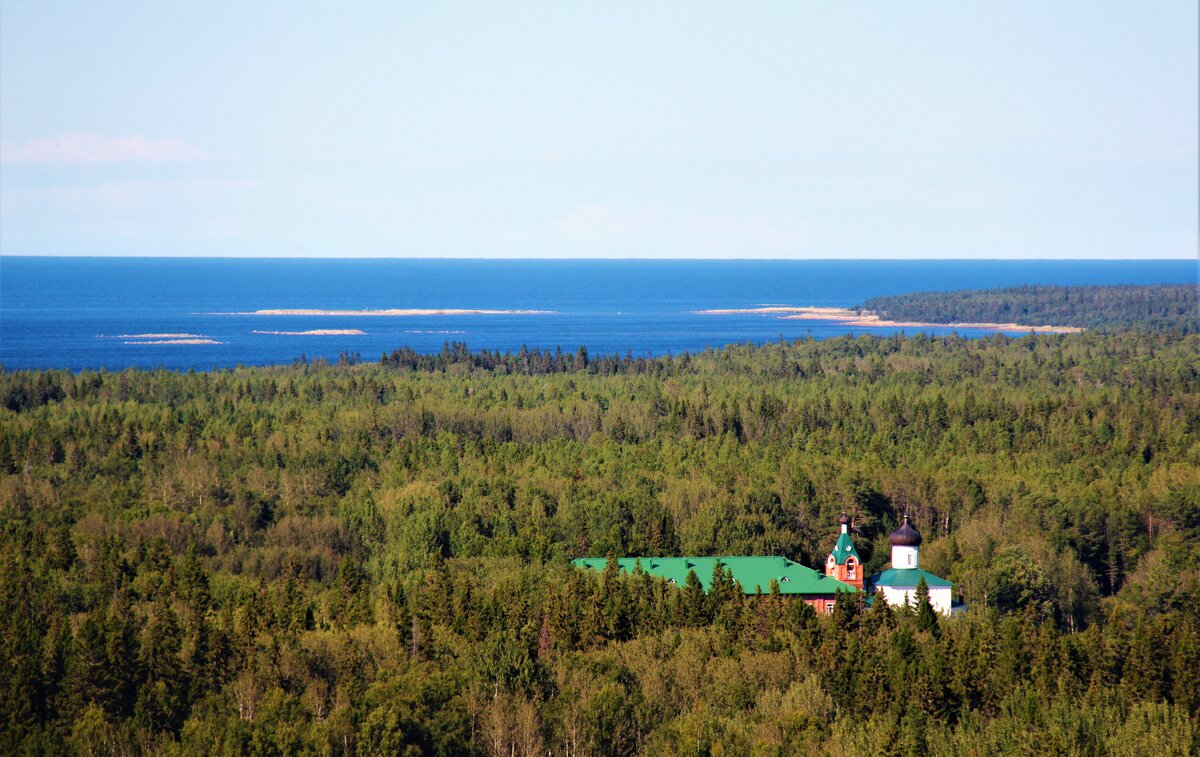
column 696, row 611
column 121, row 650
column 162, row 696
column 914, row 740
column 89, row 676
column 611, row 602
column 925, row 617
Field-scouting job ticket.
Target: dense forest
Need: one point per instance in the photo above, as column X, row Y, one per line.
column 1174, row 307
column 373, row 558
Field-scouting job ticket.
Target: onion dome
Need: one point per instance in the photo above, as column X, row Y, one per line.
column 844, row 520
column 905, row 536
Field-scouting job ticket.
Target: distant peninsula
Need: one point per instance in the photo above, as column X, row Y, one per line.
column 1173, row 307
column 1040, row 309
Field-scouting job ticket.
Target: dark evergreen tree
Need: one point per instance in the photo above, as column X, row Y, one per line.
column 926, row 617
column 162, row 696
column 696, row 610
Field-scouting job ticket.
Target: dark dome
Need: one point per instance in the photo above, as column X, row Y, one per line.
column 905, row 536
column 844, row 520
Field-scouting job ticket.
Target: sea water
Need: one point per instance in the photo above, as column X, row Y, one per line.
column 113, row 313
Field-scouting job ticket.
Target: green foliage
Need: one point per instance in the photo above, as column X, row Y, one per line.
column 359, row 559
column 1167, row 307
column 926, row 617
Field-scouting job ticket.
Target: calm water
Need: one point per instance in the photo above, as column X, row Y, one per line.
column 75, row 312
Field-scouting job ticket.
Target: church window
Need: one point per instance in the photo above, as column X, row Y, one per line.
column 850, row 570
column 828, row 607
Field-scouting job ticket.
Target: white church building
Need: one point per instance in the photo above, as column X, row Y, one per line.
column 899, row 582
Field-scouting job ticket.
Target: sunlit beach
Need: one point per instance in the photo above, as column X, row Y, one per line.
column 868, row 319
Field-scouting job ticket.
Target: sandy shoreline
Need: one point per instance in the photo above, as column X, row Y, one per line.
column 868, row 319
column 394, row 312
column 314, row 332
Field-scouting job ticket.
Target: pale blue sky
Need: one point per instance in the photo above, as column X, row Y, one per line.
column 665, row 129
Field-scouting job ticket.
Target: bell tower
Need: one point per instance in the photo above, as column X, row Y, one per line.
column 843, row 563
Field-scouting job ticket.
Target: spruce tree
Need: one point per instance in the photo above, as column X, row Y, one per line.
column 89, row 678
column 926, row 617
column 696, row 611
column 162, row 697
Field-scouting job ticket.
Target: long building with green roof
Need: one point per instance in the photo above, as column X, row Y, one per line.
column 843, row 573
column 753, row 574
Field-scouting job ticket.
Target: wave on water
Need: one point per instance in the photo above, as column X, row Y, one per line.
column 314, row 332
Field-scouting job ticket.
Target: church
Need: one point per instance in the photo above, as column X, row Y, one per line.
column 843, row 576
column 899, row 582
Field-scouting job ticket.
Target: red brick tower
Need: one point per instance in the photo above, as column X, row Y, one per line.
column 844, row 564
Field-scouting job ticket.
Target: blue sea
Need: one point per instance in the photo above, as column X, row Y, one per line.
column 112, row 313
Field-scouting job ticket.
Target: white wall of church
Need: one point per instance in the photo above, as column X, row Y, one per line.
column 939, row 597
column 904, row 557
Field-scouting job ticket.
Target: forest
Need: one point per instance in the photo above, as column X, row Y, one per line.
column 1172, row 307
column 365, row 558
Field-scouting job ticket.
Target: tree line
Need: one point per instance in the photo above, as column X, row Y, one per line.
column 1166, row 307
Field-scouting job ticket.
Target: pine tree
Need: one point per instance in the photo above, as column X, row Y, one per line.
column 161, row 698
column 193, row 582
column 725, row 598
column 926, row 617
column 1186, row 650
column 612, row 602
column 54, row 668
column 89, row 677
column 803, row 617
column 879, row 615
column 353, row 594
column 21, row 690
column 121, row 651
column 914, row 742
column 847, row 611
column 696, row 611
column 64, row 554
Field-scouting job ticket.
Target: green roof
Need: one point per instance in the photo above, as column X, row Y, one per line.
column 905, row 577
column 843, row 549
column 753, row 573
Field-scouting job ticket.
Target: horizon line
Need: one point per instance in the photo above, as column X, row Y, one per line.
column 600, row 259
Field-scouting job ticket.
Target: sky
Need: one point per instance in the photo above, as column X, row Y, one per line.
column 808, row 129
